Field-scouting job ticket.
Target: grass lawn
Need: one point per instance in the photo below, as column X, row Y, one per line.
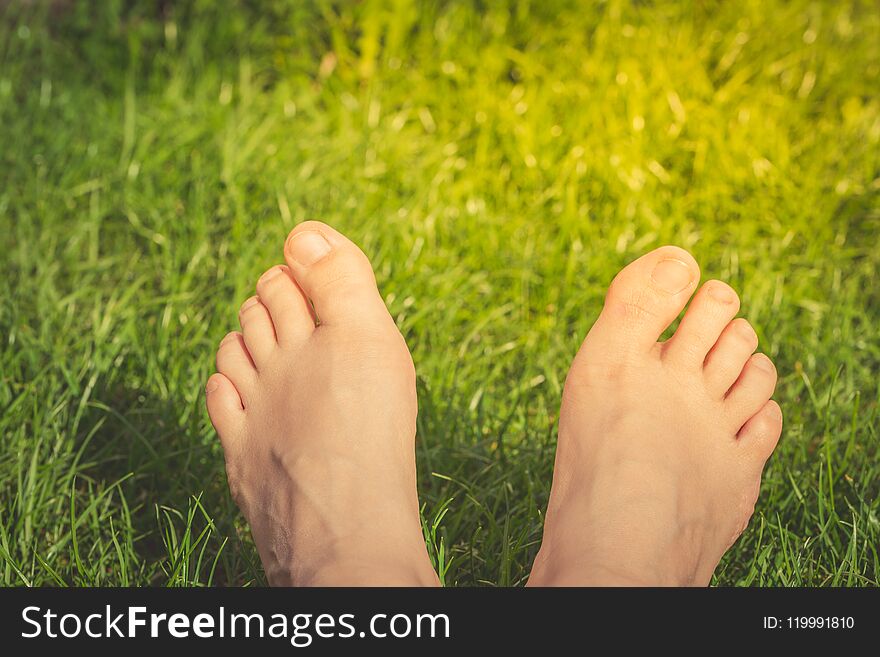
column 498, row 167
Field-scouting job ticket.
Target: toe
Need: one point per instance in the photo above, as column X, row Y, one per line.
column 287, row 305
column 645, row 298
column 257, row 330
column 761, row 432
column 235, row 363
column 727, row 358
column 752, row 389
column 334, row 273
column 225, row 409
column 710, row 311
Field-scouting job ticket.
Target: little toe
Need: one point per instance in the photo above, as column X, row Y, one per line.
column 334, row 273
column 752, row 389
column 726, row 360
column 710, row 311
column 235, row 363
column 287, row 305
column 644, row 299
column 258, row 331
column 761, row 432
column 225, row 409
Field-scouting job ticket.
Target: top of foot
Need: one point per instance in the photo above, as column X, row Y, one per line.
column 315, row 405
column 661, row 444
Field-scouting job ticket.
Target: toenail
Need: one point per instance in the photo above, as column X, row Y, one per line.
column 764, row 363
column 775, row 411
column 672, row 275
column 253, row 301
column 308, row 247
column 745, row 329
column 211, row 386
column 722, row 293
column 269, row 275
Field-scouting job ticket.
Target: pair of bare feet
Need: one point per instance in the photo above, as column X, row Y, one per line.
column 660, row 452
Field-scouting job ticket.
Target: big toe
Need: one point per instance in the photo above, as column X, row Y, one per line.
column 333, row 273
column 645, row 298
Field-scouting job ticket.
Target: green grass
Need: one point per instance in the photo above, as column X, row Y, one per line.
column 498, row 168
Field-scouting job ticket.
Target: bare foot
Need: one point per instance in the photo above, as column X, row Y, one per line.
column 318, row 422
column 661, row 445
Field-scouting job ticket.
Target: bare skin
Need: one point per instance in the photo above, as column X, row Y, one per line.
column 661, row 445
column 660, row 453
column 315, row 405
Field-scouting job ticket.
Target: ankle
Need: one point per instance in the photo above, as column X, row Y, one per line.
column 364, row 570
column 341, row 565
column 589, row 568
column 583, row 573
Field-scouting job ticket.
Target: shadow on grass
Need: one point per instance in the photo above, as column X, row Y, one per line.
column 184, row 527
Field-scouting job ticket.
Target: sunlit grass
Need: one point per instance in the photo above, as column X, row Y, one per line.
column 498, row 168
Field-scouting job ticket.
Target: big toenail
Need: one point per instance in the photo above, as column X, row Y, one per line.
column 672, row 275
column 249, row 303
column 722, row 293
column 308, row 247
